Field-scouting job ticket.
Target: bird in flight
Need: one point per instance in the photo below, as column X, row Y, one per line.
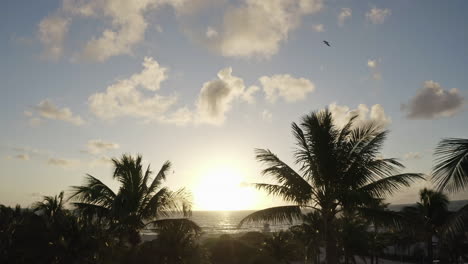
column 326, row 43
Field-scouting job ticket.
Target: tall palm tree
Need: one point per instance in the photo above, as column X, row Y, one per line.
column 428, row 216
column 340, row 168
column 139, row 201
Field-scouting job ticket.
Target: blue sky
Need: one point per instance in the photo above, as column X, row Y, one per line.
column 220, row 79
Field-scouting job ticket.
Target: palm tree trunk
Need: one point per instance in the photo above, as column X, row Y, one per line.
column 430, row 252
column 331, row 251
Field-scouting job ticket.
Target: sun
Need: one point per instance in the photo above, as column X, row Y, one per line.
column 223, row 188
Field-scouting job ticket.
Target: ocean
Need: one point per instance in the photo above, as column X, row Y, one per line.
column 226, row 222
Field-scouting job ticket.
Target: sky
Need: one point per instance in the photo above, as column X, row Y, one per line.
column 202, row 83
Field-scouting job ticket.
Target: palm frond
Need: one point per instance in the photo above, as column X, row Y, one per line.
column 390, row 184
column 451, row 169
column 457, row 223
column 160, row 177
column 166, row 203
column 284, row 192
column 284, row 174
column 383, row 217
column 93, row 191
column 91, row 210
column 278, row 214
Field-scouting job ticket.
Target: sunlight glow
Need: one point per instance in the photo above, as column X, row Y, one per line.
column 223, row 188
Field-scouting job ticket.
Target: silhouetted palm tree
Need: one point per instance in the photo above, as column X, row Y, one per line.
column 451, row 169
column 339, row 169
column 450, row 173
column 139, row 200
column 428, row 216
column 308, row 233
column 279, row 247
column 177, row 242
column 51, row 207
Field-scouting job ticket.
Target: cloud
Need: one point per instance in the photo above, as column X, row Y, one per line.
column 180, row 117
column 287, row 87
column 211, row 32
column 267, row 116
column 126, row 19
column 412, row 156
column 258, row 27
column 65, row 163
column 374, row 66
column 97, row 146
column 342, row 114
column 159, row 28
column 377, row 15
column 345, row 14
column 52, row 31
column 22, row 157
column 37, row 194
column 124, row 97
column 46, row 109
column 318, row 28
column 101, row 161
column 216, row 97
column 432, row 101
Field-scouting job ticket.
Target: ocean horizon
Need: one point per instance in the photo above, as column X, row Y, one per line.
column 227, row 222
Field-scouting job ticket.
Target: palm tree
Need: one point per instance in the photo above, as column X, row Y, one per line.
column 51, row 207
column 450, row 173
column 339, row 169
column 177, row 242
column 139, row 201
column 308, row 233
column 428, row 216
column 279, row 247
column 451, row 170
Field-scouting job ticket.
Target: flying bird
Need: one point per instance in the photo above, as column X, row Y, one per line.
column 326, row 43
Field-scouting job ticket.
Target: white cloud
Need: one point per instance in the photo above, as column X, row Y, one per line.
column 345, row 14
column 65, row 163
column 342, row 114
column 101, row 161
column 216, row 97
column 52, row 31
column 126, row 19
column 377, row 15
column 374, row 67
column 180, row 117
column 123, row 98
column 46, row 109
column 35, row 121
column 412, row 156
column 287, row 87
column 267, row 116
column 258, row 27
column 159, row 28
column 97, row 146
column 318, row 28
column 372, row 64
column 211, row 32
column 248, row 95
column 432, row 101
